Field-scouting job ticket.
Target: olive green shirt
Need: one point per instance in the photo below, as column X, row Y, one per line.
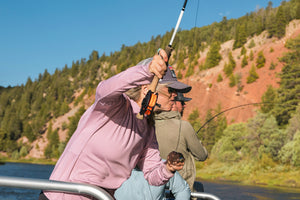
column 174, row 134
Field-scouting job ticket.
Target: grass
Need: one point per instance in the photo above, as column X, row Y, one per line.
column 30, row 160
column 250, row 173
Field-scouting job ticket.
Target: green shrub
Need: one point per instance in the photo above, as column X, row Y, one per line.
column 260, row 61
column 244, row 61
column 252, row 75
column 220, row 78
column 251, row 44
column 272, row 66
column 251, row 56
column 23, row 151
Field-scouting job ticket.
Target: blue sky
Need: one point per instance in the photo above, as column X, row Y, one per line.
column 47, row 34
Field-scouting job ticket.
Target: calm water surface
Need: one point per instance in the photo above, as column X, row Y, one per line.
column 23, row 170
column 233, row 191
column 223, row 190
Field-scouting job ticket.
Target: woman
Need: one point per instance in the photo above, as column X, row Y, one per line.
column 110, row 141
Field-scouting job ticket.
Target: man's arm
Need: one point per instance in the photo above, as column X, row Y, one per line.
column 193, row 143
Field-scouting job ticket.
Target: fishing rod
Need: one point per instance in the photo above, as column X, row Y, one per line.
column 248, row 104
column 149, row 102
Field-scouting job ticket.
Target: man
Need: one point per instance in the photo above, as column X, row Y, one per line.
column 179, row 103
column 175, row 134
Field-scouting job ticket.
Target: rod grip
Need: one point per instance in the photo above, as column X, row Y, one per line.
column 153, row 84
column 155, row 80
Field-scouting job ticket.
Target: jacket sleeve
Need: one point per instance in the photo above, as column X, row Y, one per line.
column 154, row 169
column 179, row 187
column 193, row 143
column 115, row 86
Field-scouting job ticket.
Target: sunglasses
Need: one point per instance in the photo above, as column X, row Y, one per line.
column 171, row 90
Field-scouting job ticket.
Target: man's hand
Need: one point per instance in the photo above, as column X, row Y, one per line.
column 175, row 161
column 158, row 65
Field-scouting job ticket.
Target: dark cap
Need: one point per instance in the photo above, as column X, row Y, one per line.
column 171, row 79
column 181, row 98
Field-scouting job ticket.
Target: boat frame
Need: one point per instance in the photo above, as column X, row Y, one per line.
column 77, row 188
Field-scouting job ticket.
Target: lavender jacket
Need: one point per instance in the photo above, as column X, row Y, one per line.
column 110, row 141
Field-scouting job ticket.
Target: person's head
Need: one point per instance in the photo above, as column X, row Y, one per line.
column 175, row 87
column 179, row 103
column 165, row 98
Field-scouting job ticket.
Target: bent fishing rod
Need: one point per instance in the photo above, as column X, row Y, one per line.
column 228, row 109
column 149, row 102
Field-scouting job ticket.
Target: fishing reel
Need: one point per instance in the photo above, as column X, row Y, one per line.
column 175, row 157
column 148, row 104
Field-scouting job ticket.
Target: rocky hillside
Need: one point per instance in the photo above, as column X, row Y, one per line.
column 207, row 93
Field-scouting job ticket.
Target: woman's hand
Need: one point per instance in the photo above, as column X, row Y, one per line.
column 175, row 161
column 158, row 65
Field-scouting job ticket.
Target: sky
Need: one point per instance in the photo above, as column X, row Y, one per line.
column 36, row 35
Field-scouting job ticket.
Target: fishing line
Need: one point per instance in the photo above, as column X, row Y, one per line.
column 196, row 20
column 248, row 104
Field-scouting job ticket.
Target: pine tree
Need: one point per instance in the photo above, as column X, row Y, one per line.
column 280, row 23
column 190, row 71
column 243, row 51
column 252, row 75
column 251, row 44
column 232, row 80
column 232, row 62
column 298, row 11
column 213, row 56
column 288, row 92
column 240, row 36
column 260, row 61
column 244, row 61
column 227, row 69
column 268, row 100
column 251, row 56
column 210, row 131
column 196, row 123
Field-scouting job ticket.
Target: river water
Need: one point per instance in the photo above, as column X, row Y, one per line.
column 223, row 190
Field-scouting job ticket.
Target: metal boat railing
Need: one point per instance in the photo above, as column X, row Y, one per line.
column 77, row 188
column 204, row 195
column 41, row 184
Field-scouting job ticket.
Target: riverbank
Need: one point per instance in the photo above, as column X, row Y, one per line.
column 250, row 173
column 30, row 161
column 245, row 172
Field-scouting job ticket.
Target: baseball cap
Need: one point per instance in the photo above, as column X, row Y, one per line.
column 171, row 79
column 181, row 97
